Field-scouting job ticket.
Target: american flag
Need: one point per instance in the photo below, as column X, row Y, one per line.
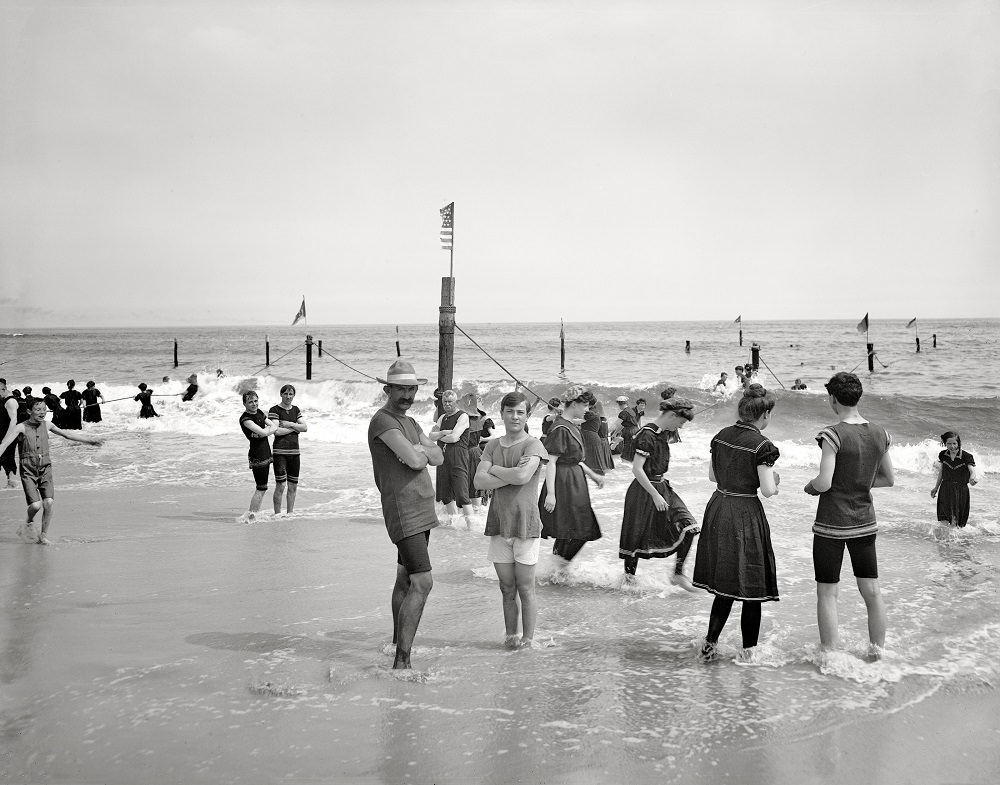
column 447, row 226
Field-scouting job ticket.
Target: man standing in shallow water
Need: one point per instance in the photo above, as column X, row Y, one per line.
column 401, row 454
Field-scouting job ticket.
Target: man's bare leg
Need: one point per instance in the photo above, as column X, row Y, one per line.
column 293, row 488
column 410, row 611
column 399, row 591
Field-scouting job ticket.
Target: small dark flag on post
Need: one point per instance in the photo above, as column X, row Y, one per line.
column 912, row 322
column 301, row 314
column 863, row 325
column 738, row 319
column 447, row 226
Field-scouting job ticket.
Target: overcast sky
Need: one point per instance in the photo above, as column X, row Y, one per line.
column 209, row 162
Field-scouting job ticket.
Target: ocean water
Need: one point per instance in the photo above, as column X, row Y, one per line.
column 618, row 663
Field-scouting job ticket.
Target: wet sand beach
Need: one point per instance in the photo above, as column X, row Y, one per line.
column 157, row 640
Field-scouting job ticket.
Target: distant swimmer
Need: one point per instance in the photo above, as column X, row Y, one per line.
column 799, row 385
column 401, row 454
column 93, row 398
column 32, row 437
column 286, row 447
column 145, row 398
column 192, row 389
column 8, row 419
column 956, row 471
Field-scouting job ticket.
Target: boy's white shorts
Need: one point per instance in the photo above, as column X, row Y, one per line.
column 507, row 550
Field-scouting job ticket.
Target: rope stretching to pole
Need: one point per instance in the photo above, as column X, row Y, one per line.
column 512, row 376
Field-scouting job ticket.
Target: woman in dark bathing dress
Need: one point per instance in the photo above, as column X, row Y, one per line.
column 92, row 410
column 956, row 472
column 598, row 455
column 564, row 503
column 735, row 560
column 72, row 418
column 656, row 522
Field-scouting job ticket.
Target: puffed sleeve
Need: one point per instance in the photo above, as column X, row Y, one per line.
column 767, row 455
column 969, row 460
column 941, row 456
column 557, row 442
column 644, row 442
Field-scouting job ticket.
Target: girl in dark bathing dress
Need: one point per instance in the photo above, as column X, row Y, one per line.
column 956, row 472
column 564, row 503
column 145, row 398
column 656, row 522
column 735, row 559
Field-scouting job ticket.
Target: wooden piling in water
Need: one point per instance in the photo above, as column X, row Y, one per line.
column 446, row 335
column 267, row 352
column 871, row 357
column 175, row 352
column 309, row 357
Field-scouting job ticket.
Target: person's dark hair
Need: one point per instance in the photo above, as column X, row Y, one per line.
column 668, row 393
column 575, row 394
column 588, row 396
column 247, row 394
column 16, row 393
column 71, row 384
column 3, row 381
column 755, row 401
column 640, row 400
column 37, row 401
column 512, row 399
column 27, row 389
column 679, row 406
column 845, row 388
column 553, row 404
column 142, row 385
column 46, row 390
column 287, row 388
column 91, row 384
column 951, row 435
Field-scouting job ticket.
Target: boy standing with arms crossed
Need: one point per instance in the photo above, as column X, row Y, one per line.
column 855, row 460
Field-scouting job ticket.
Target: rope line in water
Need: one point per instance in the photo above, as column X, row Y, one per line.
column 512, row 376
column 348, row 366
column 280, row 358
column 772, row 372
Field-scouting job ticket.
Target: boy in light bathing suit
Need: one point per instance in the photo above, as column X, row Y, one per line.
column 511, row 467
column 32, row 437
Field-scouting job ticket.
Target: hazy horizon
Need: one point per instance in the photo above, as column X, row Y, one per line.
column 692, row 158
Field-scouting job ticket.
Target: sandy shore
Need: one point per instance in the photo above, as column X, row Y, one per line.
column 158, row 641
